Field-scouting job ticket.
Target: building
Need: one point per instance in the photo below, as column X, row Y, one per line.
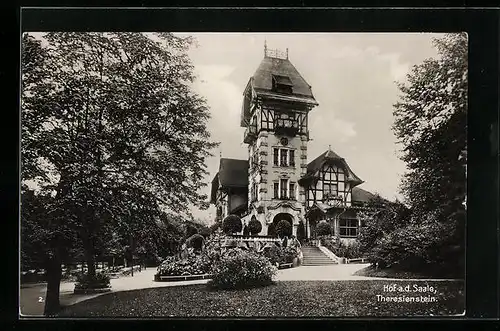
column 276, row 182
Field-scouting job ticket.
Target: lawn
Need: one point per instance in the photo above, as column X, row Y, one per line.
column 284, row 299
column 429, row 273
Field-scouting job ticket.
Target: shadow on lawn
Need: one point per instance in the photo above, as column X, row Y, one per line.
column 284, row 299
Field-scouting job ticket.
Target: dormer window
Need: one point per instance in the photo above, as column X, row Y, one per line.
column 282, row 84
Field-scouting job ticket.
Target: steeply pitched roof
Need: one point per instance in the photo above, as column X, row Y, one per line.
column 261, row 83
column 360, row 195
column 329, row 156
column 269, row 66
column 232, row 173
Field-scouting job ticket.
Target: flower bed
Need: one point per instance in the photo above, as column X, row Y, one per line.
column 193, row 266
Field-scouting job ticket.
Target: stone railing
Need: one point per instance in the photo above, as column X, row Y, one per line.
column 331, row 255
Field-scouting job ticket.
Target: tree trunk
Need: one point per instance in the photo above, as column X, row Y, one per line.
column 90, row 259
column 54, row 271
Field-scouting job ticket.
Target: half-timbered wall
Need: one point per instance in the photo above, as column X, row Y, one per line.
column 332, row 182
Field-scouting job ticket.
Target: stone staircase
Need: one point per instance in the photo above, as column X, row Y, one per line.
column 313, row 256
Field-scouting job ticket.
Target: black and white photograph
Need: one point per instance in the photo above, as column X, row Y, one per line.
column 242, row 174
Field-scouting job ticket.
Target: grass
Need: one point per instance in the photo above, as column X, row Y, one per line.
column 371, row 271
column 284, row 299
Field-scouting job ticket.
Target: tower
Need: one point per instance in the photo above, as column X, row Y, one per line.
column 276, row 104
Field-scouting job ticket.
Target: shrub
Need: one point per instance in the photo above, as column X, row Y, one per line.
column 301, row 231
column 323, row 229
column 205, row 232
column 191, row 265
column 195, row 241
column 337, row 247
column 84, row 281
column 273, row 253
column 284, row 228
column 254, row 226
column 289, row 254
column 232, row 224
column 271, row 230
column 240, row 269
column 191, row 230
column 246, row 231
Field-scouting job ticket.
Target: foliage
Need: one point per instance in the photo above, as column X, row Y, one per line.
column 377, row 224
column 87, row 281
column 430, row 124
column 232, row 224
column 273, row 253
column 284, row 228
column 341, row 249
column 271, row 230
column 246, row 230
column 193, row 264
column 113, row 130
column 239, row 269
column 289, row 254
column 191, row 230
column 301, row 231
column 254, row 226
column 323, row 229
column 196, row 241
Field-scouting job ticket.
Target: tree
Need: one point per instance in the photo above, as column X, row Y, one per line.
column 271, row 230
column 284, row 228
column 323, row 229
column 430, row 123
column 232, row 224
column 114, row 123
column 254, row 226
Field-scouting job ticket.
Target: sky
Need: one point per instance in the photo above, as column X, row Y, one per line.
column 353, row 78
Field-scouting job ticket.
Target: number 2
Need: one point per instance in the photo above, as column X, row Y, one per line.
column 40, row 299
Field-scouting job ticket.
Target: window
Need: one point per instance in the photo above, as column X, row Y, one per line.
column 330, row 189
column 255, row 159
column 275, row 158
column 283, row 184
column 282, row 84
column 292, row 158
column 276, row 190
column 348, row 227
column 292, row 190
column 284, row 158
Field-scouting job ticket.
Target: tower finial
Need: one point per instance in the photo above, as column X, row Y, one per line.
column 265, row 48
column 330, row 148
column 287, row 53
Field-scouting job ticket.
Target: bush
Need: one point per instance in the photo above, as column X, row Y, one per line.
column 301, row 231
column 84, row 281
column 205, row 232
column 337, row 247
column 289, row 254
column 323, row 229
column 232, row 224
column 246, row 231
column 240, row 269
column 273, row 253
column 191, row 230
column 195, row 241
column 271, row 230
column 191, row 265
column 284, row 228
column 254, row 226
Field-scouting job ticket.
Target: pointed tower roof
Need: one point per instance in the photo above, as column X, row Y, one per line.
column 276, row 67
column 328, row 157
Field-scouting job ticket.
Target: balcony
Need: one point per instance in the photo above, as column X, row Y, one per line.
column 250, row 134
column 286, row 126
